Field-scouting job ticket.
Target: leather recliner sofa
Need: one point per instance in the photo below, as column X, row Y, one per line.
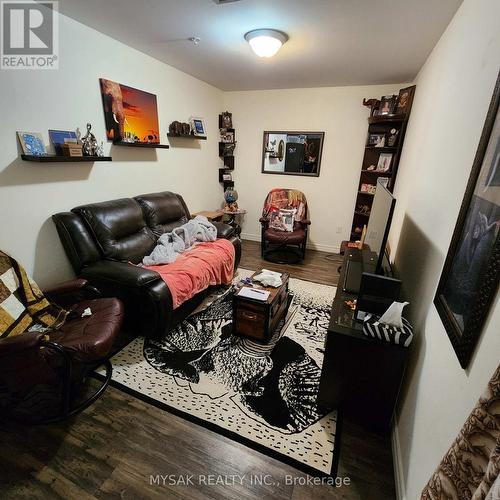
column 101, row 239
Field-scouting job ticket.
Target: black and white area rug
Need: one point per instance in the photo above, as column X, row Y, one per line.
column 261, row 395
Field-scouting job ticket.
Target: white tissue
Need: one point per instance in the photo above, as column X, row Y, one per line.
column 87, row 312
column 269, row 278
column 393, row 315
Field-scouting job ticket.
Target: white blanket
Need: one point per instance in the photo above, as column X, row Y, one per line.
column 170, row 245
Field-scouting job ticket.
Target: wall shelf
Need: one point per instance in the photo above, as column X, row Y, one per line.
column 188, row 136
column 150, row 145
column 378, row 172
column 386, row 118
column 383, row 148
column 65, row 159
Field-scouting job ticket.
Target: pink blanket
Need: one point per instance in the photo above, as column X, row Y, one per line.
column 207, row 263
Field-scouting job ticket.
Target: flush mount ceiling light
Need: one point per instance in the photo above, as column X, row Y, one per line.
column 267, row 42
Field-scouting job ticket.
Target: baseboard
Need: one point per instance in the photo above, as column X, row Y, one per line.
column 399, row 478
column 312, row 246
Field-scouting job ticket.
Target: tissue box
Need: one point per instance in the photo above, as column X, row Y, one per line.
column 392, row 334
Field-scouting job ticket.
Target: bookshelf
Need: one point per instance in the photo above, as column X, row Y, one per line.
column 380, row 160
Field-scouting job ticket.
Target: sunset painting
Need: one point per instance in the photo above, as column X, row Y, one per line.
column 129, row 113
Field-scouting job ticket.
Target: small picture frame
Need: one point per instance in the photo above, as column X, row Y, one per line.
column 226, row 120
column 405, row 100
column 32, row 143
column 226, row 136
column 376, row 140
column 60, row 137
column 384, row 162
column 387, row 105
column 392, row 137
column 197, row 126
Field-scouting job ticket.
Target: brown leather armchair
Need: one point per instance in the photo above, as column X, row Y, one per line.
column 40, row 379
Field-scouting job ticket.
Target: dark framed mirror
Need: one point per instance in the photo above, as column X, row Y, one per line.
column 292, row 153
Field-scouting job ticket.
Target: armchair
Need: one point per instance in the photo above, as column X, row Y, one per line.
column 284, row 247
column 41, row 373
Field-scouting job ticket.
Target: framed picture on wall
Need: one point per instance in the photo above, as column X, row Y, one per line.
column 469, row 281
column 387, row 105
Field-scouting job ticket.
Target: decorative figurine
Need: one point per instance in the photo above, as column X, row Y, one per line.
column 89, row 142
column 230, row 197
column 391, row 141
column 100, row 149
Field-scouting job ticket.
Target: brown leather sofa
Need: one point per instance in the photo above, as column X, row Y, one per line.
column 101, row 239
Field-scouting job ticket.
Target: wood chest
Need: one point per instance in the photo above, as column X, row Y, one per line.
column 258, row 319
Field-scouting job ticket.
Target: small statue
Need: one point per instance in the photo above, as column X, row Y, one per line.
column 373, row 104
column 89, row 143
column 393, row 136
column 100, row 149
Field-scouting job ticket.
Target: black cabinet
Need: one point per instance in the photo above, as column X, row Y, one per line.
column 360, row 376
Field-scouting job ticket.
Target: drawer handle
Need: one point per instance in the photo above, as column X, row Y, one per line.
column 248, row 315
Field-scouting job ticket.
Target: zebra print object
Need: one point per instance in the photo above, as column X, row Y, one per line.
column 392, row 334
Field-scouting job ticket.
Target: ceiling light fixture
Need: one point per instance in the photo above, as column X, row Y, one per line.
column 266, row 42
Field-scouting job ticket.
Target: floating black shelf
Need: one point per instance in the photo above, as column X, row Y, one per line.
column 66, row 159
column 386, row 118
column 366, row 192
column 150, row 145
column 361, row 214
column 188, row 136
column 378, row 172
column 383, row 148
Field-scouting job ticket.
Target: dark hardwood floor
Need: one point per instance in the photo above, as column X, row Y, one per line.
column 315, row 267
column 114, row 448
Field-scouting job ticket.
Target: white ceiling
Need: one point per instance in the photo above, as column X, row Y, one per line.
column 332, row 42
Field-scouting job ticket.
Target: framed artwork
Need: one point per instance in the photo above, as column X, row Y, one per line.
column 292, row 153
column 226, row 136
column 387, row 105
column 32, row 143
column 197, row 126
column 60, row 137
column 226, row 120
column 405, row 100
column 384, row 162
column 469, row 281
column 129, row 113
column 377, row 140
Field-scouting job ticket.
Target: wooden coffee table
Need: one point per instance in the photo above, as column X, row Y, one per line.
column 257, row 319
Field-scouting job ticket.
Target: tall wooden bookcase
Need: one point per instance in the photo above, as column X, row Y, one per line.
column 380, row 125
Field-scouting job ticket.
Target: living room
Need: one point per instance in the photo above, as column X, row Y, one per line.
column 129, row 127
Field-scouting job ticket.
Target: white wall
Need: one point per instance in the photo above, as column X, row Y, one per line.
column 337, row 111
column 454, row 89
column 70, row 97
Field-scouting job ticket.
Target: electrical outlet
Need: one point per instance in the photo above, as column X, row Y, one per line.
column 339, row 229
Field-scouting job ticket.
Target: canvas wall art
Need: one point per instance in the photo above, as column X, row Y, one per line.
column 129, row 113
column 469, row 282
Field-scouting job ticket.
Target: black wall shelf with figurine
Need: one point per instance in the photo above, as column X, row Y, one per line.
column 188, row 136
column 66, row 159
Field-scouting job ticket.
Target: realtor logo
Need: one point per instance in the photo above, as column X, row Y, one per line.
column 29, row 38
